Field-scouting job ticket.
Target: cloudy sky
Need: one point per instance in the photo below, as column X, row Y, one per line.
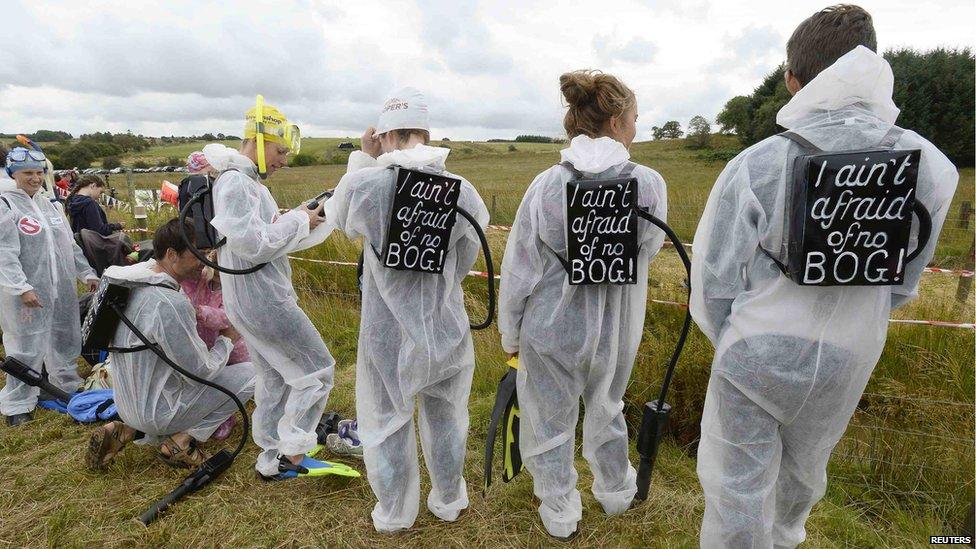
column 490, row 69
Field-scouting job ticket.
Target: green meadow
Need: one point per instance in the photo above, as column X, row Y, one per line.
column 903, row 472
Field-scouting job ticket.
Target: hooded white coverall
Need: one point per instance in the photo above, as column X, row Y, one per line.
column 574, row 340
column 293, row 366
column 414, row 344
column 38, row 252
column 791, row 361
column 150, row 395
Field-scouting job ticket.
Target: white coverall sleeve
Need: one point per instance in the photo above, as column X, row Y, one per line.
column 522, row 269
column 727, row 238
column 82, row 267
column 352, row 209
column 176, row 333
column 936, row 198
column 359, row 160
column 12, row 278
column 237, row 217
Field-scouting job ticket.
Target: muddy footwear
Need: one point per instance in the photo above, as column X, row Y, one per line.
column 174, row 455
column 104, row 444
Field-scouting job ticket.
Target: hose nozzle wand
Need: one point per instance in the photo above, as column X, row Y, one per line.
column 26, row 374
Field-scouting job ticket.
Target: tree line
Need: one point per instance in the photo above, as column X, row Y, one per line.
column 935, row 91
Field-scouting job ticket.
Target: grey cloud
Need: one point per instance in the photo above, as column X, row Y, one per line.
column 695, row 9
column 636, row 50
column 753, row 52
column 458, row 33
column 215, row 53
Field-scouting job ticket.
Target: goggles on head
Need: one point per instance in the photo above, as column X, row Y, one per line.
column 21, row 155
column 266, row 123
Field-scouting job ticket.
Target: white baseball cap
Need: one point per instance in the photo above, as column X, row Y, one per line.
column 405, row 109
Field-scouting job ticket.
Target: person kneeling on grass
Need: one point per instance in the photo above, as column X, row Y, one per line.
column 157, row 404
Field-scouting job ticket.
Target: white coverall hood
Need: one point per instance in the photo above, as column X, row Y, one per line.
column 418, row 157
column 138, row 274
column 593, row 156
column 415, row 345
column 791, row 361
column 574, row 341
column 859, row 77
column 221, row 157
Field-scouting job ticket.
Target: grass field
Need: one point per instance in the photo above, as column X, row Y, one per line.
column 903, row 472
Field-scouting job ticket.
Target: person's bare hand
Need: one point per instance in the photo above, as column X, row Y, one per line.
column 231, row 333
column 314, row 219
column 510, row 356
column 29, row 299
column 91, row 284
column 370, row 142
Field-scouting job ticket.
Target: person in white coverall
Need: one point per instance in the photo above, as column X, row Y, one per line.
column 575, row 341
column 414, row 341
column 39, row 262
column 293, row 366
column 169, row 410
column 792, row 361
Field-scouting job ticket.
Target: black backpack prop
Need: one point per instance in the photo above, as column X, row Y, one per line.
column 424, row 212
column 849, row 215
column 200, row 210
column 601, row 240
column 106, row 312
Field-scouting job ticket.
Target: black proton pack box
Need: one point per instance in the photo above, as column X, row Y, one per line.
column 423, row 215
column 102, row 320
column 850, row 215
column 201, row 210
column 601, row 229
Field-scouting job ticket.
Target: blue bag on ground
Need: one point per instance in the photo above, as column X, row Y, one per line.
column 92, row 406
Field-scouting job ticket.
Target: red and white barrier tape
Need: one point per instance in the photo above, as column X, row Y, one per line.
column 482, row 274
column 960, row 274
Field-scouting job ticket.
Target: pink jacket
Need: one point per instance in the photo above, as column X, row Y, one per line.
column 209, row 305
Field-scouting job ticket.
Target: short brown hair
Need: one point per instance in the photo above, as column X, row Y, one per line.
column 593, row 98
column 404, row 135
column 825, row 37
column 169, row 237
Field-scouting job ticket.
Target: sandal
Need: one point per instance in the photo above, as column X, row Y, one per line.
column 174, row 455
column 105, row 443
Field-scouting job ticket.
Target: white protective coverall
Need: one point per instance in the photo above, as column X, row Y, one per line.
column 150, row 395
column 414, row 343
column 574, row 340
column 293, row 366
column 791, row 361
column 38, row 252
column 6, row 182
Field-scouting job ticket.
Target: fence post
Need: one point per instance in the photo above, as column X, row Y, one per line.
column 493, row 209
column 965, row 211
column 129, row 186
column 966, row 282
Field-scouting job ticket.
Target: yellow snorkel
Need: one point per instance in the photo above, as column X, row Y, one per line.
column 259, row 133
column 266, row 123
